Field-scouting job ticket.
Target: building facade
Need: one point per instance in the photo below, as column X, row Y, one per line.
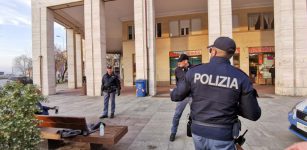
column 149, row 35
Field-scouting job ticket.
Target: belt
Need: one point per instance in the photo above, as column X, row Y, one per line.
column 211, row 125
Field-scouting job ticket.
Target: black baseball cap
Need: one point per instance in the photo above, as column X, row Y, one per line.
column 183, row 57
column 224, row 43
column 109, row 67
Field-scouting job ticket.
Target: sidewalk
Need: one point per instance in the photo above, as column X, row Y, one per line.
column 149, row 121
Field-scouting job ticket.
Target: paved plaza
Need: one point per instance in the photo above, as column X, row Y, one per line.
column 149, row 121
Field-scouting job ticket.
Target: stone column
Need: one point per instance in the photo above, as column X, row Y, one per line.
column 290, row 47
column 95, row 44
column 152, row 47
column 83, row 57
column 71, row 58
column 79, row 60
column 140, row 40
column 43, row 48
column 219, row 19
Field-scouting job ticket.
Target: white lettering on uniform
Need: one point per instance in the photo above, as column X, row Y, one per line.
column 219, row 81
column 228, row 81
column 221, row 84
column 234, row 83
column 210, row 81
column 202, row 79
column 197, row 77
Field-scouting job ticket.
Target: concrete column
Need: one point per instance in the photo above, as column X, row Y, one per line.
column 140, row 39
column 43, row 48
column 219, row 19
column 290, row 47
column 79, row 60
column 83, row 57
column 71, row 58
column 95, row 44
column 152, row 47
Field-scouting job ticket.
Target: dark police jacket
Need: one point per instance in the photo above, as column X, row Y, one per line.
column 110, row 83
column 180, row 73
column 220, row 93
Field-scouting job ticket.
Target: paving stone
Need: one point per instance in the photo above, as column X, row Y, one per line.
column 149, row 121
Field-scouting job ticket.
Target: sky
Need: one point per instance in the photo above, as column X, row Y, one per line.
column 16, row 32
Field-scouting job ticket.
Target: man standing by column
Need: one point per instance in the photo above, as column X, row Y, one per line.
column 183, row 66
column 220, row 94
column 110, row 84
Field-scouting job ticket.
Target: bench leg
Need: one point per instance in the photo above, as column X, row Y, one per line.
column 96, row 146
column 54, row 144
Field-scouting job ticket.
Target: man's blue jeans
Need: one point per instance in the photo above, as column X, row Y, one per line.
column 107, row 96
column 202, row 143
column 178, row 112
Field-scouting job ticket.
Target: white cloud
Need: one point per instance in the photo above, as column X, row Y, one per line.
column 27, row 2
column 15, row 12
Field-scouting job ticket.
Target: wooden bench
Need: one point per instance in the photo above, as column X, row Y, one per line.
column 51, row 124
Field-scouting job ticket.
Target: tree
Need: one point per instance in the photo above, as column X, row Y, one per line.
column 23, row 64
column 60, row 62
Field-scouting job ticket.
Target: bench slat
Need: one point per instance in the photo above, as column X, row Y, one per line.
column 76, row 123
column 112, row 135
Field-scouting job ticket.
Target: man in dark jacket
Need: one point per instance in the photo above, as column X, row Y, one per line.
column 183, row 66
column 272, row 71
column 220, row 93
column 110, row 84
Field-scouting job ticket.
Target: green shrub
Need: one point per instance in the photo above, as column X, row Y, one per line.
column 18, row 130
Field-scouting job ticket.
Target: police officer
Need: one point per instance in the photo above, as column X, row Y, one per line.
column 220, row 94
column 183, row 66
column 110, row 84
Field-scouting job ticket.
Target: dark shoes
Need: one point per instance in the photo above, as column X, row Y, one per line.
column 172, row 137
column 103, row 116
column 112, row 115
column 106, row 116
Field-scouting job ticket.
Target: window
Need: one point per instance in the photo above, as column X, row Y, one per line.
column 174, row 28
column 130, row 32
column 261, row 21
column 159, row 30
column 196, row 26
column 268, row 21
column 184, row 27
column 235, row 23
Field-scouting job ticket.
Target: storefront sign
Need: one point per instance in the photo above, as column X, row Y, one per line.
column 264, row 49
column 189, row 53
column 237, row 50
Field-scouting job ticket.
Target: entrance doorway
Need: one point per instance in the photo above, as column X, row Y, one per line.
column 260, row 61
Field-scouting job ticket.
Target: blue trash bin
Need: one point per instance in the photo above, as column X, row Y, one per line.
column 140, row 88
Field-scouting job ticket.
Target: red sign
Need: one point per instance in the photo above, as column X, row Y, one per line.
column 265, row 49
column 189, row 53
column 237, row 50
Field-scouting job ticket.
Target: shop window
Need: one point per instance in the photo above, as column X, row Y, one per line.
column 184, row 27
column 159, row 30
column 130, row 32
column 261, row 21
column 259, row 67
column 174, row 28
column 196, row 26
